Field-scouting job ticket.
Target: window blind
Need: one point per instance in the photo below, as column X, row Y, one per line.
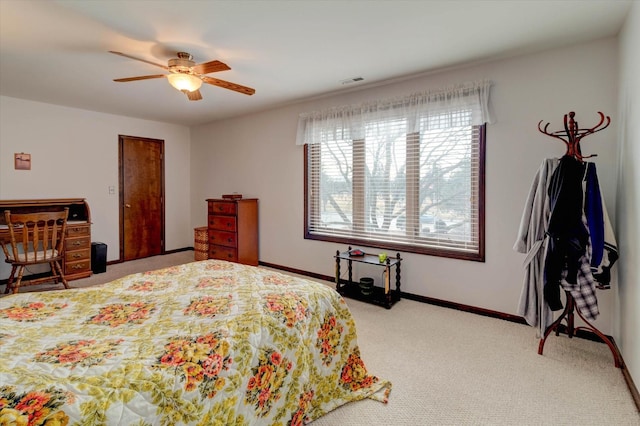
column 409, row 182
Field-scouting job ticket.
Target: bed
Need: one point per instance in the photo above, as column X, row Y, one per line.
column 205, row 343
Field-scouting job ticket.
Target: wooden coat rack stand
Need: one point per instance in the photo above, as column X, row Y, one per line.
column 569, row 316
column 571, row 136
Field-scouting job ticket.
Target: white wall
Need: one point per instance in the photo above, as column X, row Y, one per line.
column 627, row 328
column 74, row 153
column 256, row 156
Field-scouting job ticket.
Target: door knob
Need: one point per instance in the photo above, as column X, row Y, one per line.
column 128, row 206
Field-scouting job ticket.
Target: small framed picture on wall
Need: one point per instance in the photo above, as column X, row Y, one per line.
column 22, row 161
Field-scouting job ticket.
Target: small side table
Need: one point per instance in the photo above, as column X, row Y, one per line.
column 380, row 296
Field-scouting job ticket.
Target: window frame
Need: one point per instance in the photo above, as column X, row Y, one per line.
column 478, row 256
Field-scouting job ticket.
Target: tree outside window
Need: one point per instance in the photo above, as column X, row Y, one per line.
column 417, row 192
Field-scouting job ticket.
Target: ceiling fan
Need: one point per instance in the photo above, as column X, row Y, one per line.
column 186, row 76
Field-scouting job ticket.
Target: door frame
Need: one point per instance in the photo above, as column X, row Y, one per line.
column 121, row 203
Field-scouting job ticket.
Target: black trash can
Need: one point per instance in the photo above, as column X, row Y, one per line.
column 366, row 286
column 98, row 258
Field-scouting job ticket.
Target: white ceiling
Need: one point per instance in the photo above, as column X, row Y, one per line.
column 57, row 51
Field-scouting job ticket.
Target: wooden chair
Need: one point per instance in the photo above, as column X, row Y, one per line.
column 35, row 238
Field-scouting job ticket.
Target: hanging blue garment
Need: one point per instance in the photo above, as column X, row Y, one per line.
column 595, row 216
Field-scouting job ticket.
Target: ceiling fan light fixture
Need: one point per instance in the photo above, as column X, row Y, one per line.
column 186, row 82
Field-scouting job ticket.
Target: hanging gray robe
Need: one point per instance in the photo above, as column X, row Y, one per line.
column 532, row 241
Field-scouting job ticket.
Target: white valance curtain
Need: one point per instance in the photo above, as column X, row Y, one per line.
column 350, row 122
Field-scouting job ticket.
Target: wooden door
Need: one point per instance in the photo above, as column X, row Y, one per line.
column 141, row 197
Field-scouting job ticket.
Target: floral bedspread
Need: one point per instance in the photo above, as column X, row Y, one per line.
column 206, row 343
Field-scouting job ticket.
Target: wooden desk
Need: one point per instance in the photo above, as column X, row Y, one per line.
column 77, row 259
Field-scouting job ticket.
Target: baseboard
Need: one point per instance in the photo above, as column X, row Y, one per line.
column 415, row 297
column 635, row 394
column 116, row 261
column 297, row 271
column 584, row 334
column 464, row 308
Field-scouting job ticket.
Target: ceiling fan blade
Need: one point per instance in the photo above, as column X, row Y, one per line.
column 139, row 59
column 228, row 85
column 212, row 66
column 193, row 96
column 142, row 77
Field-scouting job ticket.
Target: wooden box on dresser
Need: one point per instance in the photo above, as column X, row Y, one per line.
column 233, row 229
column 77, row 242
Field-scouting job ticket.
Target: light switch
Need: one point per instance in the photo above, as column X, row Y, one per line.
column 112, row 190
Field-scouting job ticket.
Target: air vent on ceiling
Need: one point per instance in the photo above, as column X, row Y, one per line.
column 352, row 80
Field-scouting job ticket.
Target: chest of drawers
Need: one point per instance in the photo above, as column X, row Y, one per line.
column 77, row 251
column 233, row 230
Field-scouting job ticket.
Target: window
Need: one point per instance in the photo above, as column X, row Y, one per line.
column 398, row 180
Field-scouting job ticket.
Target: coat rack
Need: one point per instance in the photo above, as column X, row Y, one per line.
column 571, row 329
column 573, row 134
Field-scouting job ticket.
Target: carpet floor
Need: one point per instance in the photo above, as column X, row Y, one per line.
column 450, row 367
